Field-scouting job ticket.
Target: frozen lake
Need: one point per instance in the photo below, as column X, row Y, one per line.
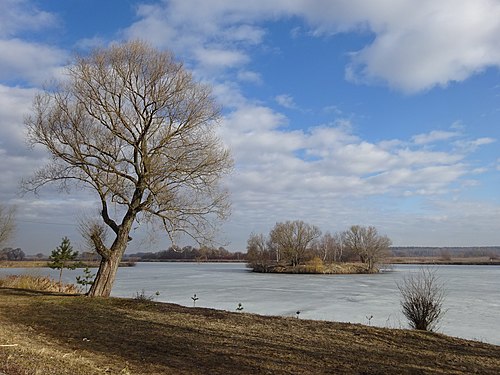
column 472, row 293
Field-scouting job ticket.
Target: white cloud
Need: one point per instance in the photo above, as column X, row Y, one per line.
column 332, row 160
column 35, row 63
column 472, row 145
column 14, row 104
column 434, row 136
column 244, row 33
column 249, row 76
column 286, row 101
column 415, row 46
column 23, row 61
column 19, row 15
column 17, row 160
column 433, row 43
column 220, row 58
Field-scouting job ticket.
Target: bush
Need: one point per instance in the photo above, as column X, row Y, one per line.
column 422, row 300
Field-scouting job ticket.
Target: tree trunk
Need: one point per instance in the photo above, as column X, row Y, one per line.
column 106, row 274
column 103, row 282
column 60, row 278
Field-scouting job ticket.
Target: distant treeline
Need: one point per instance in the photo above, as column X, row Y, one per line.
column 188, row 253
column 461, row 252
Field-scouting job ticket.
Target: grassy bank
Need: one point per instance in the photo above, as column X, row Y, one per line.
column 62, row 334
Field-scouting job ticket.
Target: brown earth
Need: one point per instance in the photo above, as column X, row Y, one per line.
column 46, row 333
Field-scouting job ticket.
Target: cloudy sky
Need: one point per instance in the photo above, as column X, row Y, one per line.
column 383, row 113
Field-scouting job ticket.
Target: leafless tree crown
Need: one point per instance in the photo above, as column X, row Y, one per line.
column 292, row 238
column 131, row 123
column 367, row 244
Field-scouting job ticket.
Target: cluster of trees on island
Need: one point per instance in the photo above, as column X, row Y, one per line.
column 293, row 243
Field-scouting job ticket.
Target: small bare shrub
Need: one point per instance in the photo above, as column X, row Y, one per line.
column 422, row 300
column 143, row 297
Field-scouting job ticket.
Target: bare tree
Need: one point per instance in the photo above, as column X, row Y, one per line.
column 367, row 244
column 259, row 256
column 292, row 238
column 133, row 125
column 7, row 224
column 342, row 253
column 422, row 300
column 330, row 247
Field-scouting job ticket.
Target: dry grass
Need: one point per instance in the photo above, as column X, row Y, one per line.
column 38, row 283
column 23, row 263
column 316, row 266
column 58, row 334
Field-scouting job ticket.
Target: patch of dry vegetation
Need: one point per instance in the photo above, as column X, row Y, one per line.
column 58, row 334
column 316, row 266
column 38, row 283
column 23, row 263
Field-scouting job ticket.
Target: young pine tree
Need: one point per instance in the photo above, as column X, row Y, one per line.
column 87, row 279
column 63, row 257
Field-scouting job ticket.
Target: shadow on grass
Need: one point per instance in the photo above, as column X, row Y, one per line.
column 31, row 292
column 131, row 331
column 166, row 338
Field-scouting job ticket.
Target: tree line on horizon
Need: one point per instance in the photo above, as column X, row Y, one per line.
column 446, row 251
column 188, row 253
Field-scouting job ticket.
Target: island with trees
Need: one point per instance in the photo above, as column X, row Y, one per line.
column 299, row 247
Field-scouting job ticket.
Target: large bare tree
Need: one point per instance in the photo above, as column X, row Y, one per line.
column 7, row 224
column 292, row 238
column 133, row 125
column 367, row 244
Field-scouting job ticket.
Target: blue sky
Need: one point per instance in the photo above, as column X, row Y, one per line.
column 383, row 113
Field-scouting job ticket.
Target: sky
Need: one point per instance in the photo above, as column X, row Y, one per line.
column 383, row 113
